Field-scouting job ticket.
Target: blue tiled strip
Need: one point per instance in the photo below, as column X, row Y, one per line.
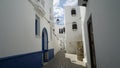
column 31, row 60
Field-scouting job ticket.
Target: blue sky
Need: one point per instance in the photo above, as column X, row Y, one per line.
column 58, row 7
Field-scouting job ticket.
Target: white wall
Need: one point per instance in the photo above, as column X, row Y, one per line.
column 47, row 23
column 56, row 45
column 57, row 27
column 17, row 28
column 60, row 36
column 105, row 19
column 48, row 5
column 83, row 13
column 72, row 37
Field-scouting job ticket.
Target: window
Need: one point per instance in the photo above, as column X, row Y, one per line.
column 86, row 0
column 74, row 26
column 73, row 12
column 84, row 4
column 60, row 31
column 37, row 25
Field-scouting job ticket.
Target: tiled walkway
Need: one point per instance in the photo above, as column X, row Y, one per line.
column 60, row 61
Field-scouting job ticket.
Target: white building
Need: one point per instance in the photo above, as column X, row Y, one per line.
column 60, row 34
column 101, row 33
column 26, row 35
column 73, row 31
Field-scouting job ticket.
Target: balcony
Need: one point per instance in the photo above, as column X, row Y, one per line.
column 82, row 3
column 38, row 6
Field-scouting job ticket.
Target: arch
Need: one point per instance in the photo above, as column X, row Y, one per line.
column 45, row 44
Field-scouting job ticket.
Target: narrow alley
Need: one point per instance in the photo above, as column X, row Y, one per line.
column 60, row 61
column 59, row 33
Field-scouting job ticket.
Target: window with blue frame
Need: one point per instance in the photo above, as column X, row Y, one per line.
column 37, row 25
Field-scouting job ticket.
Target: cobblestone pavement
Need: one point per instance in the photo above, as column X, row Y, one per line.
column 59, row 61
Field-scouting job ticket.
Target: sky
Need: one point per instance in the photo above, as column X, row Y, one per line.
column 58, row 8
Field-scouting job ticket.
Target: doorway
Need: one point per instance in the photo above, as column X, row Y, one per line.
column 91, row 43
column 45, row 44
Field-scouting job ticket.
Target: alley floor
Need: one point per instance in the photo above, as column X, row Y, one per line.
column 60, row 61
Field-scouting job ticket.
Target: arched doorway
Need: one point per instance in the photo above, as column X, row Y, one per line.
column 45, row 44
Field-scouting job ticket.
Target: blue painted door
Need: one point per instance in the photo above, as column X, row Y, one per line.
column 45, row 45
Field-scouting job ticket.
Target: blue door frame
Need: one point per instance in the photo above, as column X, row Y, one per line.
column 44, row 44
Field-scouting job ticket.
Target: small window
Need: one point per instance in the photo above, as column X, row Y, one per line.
column 74, row 26
column 73, row 12
column 37, row 25
column 60, row 31
column 84, row 4
column 86, row 0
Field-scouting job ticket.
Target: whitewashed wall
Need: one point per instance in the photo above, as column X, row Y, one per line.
column 48, row 23
column 60, row 36
column 105, row 19
column 57, row 27
column 56, row 45
column 72, row 37
column 17, row 28
column 83, row 13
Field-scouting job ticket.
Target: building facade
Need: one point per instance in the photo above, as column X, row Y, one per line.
column 73, row 31
column 60, row 34
column 26, row 33
column 101, row 33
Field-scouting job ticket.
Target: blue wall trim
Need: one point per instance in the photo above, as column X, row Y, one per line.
column 31, row 60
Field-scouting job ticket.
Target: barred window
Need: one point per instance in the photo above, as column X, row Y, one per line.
column 60, row 31
column 74, row 26
column 73, row 12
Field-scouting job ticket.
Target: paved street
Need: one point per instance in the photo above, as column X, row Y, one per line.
column 60, row 61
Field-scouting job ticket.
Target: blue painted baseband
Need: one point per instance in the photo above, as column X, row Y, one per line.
column 31, row 60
